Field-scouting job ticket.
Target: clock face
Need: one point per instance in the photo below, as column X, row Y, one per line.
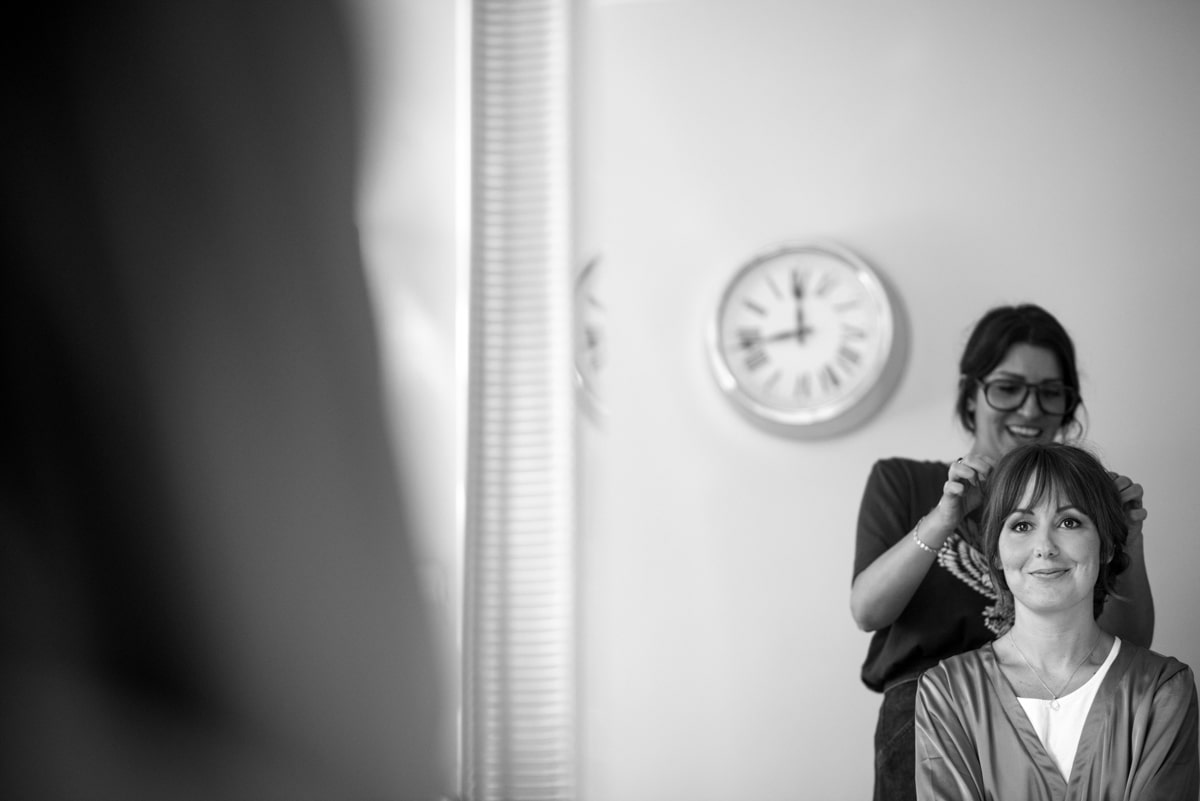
column 803, row 339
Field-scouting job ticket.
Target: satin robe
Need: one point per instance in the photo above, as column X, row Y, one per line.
column 1139, row 742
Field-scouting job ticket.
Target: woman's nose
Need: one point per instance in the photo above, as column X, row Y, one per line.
column 1043, row 543
column 1030, row 407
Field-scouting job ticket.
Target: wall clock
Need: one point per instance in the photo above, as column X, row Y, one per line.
column 807, row 340
column 591, row 345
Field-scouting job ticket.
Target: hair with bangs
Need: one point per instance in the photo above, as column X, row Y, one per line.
column 1069, row 472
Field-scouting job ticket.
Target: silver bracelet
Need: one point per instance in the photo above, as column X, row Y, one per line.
column 918, row 541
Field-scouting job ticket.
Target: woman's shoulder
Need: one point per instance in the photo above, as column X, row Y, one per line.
column 913, row 471
column 900, row 483
column 906, row 465
column 962, row 682
column 1136, row 660
column 1164, row 682
column 967, row 668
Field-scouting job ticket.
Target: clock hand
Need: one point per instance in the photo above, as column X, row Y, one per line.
column 802, row 330
column 799, row 332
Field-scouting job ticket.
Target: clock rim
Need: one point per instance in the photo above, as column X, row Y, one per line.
column 848, row 411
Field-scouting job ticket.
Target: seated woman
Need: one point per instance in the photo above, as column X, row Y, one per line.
column 1056, row 708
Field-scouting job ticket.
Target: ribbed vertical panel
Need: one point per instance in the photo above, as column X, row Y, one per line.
column 519, row 693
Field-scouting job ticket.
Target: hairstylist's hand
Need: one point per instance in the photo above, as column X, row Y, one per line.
column 1131, row 501
column 963, row 491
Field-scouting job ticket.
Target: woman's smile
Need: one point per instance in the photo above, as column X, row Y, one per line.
column 1024, row 432
column 1050, row 572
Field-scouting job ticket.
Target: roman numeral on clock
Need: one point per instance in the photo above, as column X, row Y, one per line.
column 825, row 283
column 749, row 337
column 848, row 358
column 850, row 332
column 829, row 379
column 756, row 357
column 754, row 307
column 803, row 387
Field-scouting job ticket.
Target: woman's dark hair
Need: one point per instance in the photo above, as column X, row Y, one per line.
column 992, row 338
column 1065, row 471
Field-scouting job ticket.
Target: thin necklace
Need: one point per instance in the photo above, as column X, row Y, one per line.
column 1053, row 695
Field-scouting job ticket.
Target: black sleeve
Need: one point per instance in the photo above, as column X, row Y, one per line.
column 888, row 510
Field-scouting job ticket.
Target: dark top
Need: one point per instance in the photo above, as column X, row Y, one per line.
column 946, row 616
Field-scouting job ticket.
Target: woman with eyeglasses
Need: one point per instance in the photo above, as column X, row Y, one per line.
column 920, row 581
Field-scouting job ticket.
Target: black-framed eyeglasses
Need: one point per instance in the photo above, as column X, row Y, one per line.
column 1008, row 395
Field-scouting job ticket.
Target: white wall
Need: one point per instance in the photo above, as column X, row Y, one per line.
column 978, row 154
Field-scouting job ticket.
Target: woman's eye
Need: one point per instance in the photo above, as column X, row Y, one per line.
column 1020, row 526
column 1071, row 522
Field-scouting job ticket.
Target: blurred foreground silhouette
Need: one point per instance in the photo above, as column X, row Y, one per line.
column 206, row 588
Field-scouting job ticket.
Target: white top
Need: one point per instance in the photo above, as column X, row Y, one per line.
column 1059, row 729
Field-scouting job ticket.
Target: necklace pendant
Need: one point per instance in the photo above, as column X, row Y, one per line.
column 1054, row 704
